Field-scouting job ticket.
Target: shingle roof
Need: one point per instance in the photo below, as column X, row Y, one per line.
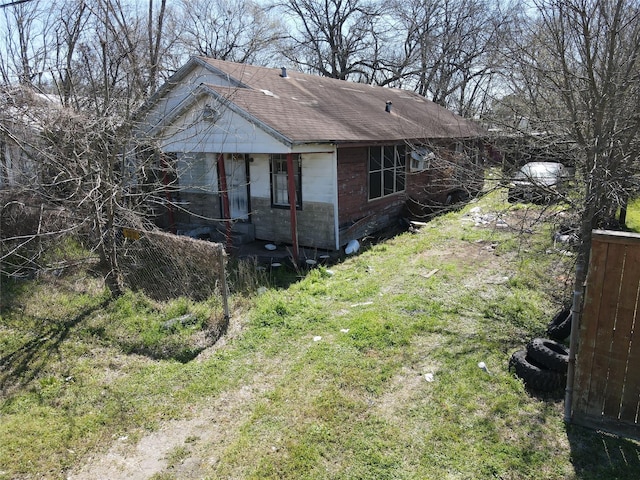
column 306, row 108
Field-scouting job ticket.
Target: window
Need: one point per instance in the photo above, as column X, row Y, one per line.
column 279, row 180
column 193, row 172
column 386, row 170
column 468, row 150
column 421, row 158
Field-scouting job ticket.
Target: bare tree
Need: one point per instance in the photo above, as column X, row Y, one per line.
column 580, row 70
column 234, row 30
column 73, row 19
column 74, row 169
column 451, row 49
column 109, row 53
column 155, row 31
column 581, row 65
column 108, row 58
column 333, row 38
column 26, row 47
column 79, row 47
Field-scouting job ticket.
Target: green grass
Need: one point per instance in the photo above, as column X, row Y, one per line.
column 633, row 216
column 326, row 379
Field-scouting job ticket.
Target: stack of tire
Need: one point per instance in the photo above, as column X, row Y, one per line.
column 542, row 365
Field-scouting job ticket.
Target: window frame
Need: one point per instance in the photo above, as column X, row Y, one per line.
column 276, row 163
column 420, row 158
column 193, row 172
column 383, row 178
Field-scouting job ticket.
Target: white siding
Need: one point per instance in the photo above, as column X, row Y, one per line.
column 180, row 91
column 259, row 175
column 318, row 184
column 231, row 133
column 17, row 168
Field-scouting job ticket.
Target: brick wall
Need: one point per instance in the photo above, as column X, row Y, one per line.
column 353, row 193
column 198, row 205
column 315, row 223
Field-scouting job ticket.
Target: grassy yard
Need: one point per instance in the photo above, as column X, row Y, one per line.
column 365, row 370
column 633, row 216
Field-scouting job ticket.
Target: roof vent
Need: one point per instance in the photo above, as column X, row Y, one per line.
column 284, row 72
column 387, row 108
column 210, row 114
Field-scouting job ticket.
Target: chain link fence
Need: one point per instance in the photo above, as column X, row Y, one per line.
column 37, row 240
column 166, row 266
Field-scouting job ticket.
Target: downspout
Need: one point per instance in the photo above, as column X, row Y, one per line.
column 336, row 207
column 226, row 212
column 292, row 206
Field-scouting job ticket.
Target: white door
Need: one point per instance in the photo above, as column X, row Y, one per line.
column 238, row 186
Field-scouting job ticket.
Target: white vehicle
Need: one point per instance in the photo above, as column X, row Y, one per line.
column 539, row 182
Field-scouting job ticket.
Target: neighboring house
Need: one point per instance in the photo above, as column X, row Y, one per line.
column 19, row 130
column 16, row 167
column 244, row 140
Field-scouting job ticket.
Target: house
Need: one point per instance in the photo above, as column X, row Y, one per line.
column 20, row 127
column 247, row 142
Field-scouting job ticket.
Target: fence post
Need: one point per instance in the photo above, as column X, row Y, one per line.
column 223, row 284
column 576, row 314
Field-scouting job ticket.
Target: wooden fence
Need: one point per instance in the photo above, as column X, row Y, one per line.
column 606, row 390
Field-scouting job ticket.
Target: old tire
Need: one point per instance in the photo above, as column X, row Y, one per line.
column 549, row 353
column 560, row 326
column 535, row 376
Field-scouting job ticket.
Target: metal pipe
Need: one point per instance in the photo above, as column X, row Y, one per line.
column 293, row 202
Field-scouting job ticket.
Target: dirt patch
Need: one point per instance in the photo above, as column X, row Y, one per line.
column 175, row 445
column 411, row 385
column 186, row 448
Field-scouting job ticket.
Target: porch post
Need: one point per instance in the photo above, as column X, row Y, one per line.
column 292, row 206
column 226, row 213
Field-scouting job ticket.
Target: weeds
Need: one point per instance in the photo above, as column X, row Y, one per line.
column 369, row 372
